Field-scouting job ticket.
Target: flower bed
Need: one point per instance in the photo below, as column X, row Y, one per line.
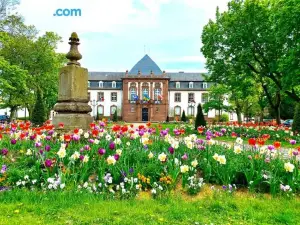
column 125, row 160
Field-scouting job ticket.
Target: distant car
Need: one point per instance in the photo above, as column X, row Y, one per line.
column 4, row 118
column 288, row 123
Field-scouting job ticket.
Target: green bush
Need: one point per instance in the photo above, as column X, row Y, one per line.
column 296, row 122
column 200, row 120
column 38, row 114
column 183, row 117
column 224, row 118
column 115, row 117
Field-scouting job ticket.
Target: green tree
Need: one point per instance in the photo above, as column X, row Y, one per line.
column 183, row 117
column 38, row 115
column 21, row 46
column 296, row 121
column 115, row 116
column 200, row 120
column 13, row 86
column 256, row 49
column 216, row 100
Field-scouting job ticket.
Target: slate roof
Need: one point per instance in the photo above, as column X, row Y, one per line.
column 145, row 66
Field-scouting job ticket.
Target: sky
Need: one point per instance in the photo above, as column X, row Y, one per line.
column 115, row 34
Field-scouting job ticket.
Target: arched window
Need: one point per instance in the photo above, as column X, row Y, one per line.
column 177, row 84
column 100, row 84
column 204, row 85
column 113, row 108
column 177, row 110
column 191, row 85
column 113, row 84
column 191, row 111
column 100, row 110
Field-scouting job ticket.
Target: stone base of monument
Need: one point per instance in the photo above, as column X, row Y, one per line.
column 72, row 121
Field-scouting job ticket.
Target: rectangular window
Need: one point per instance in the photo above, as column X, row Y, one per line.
column 113, row 84
column 101, row 96
column 177, row 97
column 177, row 85
column 114, row 96
column 191, row 97
column 204, row 97
column 157, row 94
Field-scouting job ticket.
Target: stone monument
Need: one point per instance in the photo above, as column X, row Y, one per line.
column 72, row 105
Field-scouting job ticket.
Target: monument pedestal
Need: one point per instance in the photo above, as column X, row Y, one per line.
column 72, row 121
column 72, row 106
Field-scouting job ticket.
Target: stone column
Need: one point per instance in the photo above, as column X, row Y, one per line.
column 72, row 106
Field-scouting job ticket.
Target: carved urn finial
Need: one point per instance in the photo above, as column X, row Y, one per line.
column 74, row 55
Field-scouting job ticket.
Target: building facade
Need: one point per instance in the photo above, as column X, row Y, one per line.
column 146, row 93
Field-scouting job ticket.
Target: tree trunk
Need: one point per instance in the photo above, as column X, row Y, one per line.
column 239, row 115
column 13, row 110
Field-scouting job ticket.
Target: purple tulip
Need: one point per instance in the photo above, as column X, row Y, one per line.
column 41, row 151
column 32, row 137
column 81, row 157
column 4, row 151
column 293, row 142
column 171, row 150
column 116, row 156
column 13, row 141
column 38, row 144
column 48, row 163
column 271, row 147
column 47, row 148
column 131, row 170
column 112, row 146
column 184, row 157
column 48, row 138
column 87, row 147
column 101, row 151
column 3, row 169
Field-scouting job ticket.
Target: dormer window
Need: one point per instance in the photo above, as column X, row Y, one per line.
column 177, row 84
column 113, row 84
column 89, row 84
column 191, row 85
column 100, row 84
column 204, row 85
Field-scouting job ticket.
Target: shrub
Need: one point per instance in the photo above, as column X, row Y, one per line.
column 200, row 120
column 183, row 117
column 224, row 118
column 38, row 114
column 296, row 122
column 115, row 117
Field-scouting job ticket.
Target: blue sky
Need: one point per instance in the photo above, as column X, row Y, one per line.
column 113, row 33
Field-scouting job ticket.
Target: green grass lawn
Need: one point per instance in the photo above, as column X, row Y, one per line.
column 24, row 207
